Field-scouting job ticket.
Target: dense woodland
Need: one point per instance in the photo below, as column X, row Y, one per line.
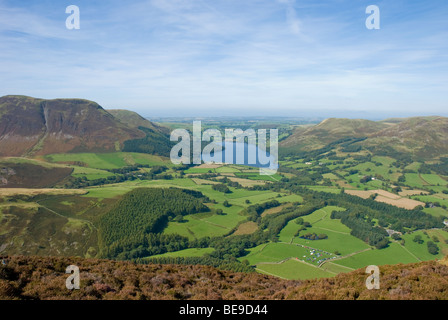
column 153, row 143
column 132, row 228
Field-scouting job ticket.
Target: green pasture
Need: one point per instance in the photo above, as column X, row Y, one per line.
column 393, row 254
column 414, row 180
column 434, row 179
column 112, row 160
column 90, row 173
column 293, row 269
column 207, row 224
column 117, row 189
column 440, row 198
column 421, row 250
column 191, row 252
column 325, row 189
column 339, row 238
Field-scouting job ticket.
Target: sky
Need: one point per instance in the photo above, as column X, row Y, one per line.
column 231, row 57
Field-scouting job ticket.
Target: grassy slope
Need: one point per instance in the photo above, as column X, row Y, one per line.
column 113, row 160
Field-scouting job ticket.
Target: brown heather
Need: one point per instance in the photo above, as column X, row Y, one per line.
column 44, row 278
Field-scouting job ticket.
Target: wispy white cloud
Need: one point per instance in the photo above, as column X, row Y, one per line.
column 233, row 55
column 291, row 16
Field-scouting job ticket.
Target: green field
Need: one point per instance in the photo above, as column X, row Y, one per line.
column 257, row 176
column 339, row 238
column 227, row 169
column 207, row 224
column 194, row 170
column 437, row 212
column 117, row 189
column 113, row 160
column 325, row 189
column 275, row 252
column 393, row 254
column 293, row 269
column 289, row 198
column 421, row 250
column 369, row 168
column 414, row 180
column 192, row 252
column 434, row 179
column 90, row 173
column 440, row 198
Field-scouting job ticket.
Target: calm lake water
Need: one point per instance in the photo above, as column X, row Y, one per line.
column 253, row 156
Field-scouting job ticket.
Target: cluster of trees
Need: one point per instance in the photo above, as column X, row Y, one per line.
column 83, row 182
column 207, row 176
column 302, row 177
column 254, row 211
column 131, row 228
column 402, row 158
column 231, row 183
column 143, row 245
column 362, row 228
column 440, row 168
column 153, row 143
column 365, row 179
column 432, row 247
column 221, row 188
column 302, row 226
column 418, row 239
column 351, row 148
column 274, row 223
column 225, row 180
column 314, row 236
column 158, row 169
column 129, row 169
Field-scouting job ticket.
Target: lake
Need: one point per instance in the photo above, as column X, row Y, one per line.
column 241, row 153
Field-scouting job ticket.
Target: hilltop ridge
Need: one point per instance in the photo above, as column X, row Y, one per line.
column 31, row 126
column 421, row 137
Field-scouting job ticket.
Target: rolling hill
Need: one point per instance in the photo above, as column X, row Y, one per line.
column 423, row 137
column 330, row 130
column 134, row 120
column 31, row 127
column 420, row 137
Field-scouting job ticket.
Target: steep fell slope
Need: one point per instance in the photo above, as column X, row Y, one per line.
column 30, row 126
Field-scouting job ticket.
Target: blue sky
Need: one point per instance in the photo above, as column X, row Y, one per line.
column 231, row 57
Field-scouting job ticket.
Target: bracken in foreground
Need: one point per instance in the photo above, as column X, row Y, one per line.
column 44, row 278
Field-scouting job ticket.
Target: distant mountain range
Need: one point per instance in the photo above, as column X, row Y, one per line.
column 420, row 137
column 31, row 126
